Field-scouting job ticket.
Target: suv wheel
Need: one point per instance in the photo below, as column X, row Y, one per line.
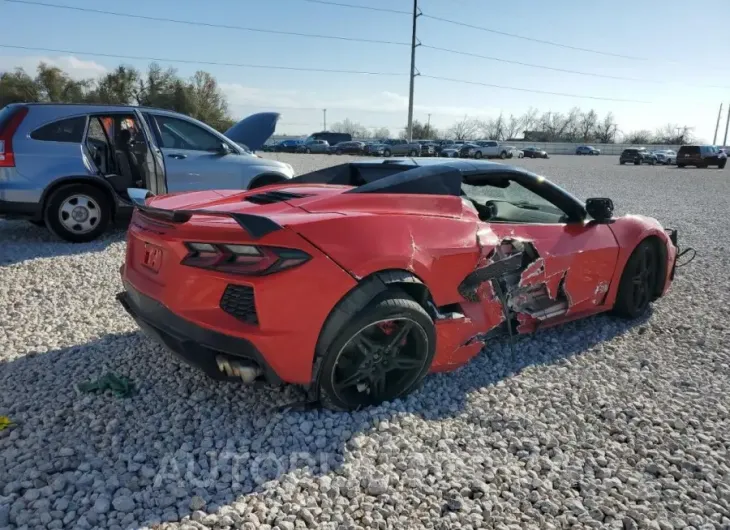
column 478, row 154
column 78, row 212
column 308, row 151
column 413, row 153
column 387, row 153
column 722, row 163
column 503, row 155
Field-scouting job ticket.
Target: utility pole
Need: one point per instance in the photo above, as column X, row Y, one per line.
column 717, row 125
column 727, row 124
column 428, row 127
column 416, row 14
column 324, row 112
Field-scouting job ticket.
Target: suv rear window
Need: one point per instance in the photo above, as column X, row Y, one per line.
column 630, row 151
column 689, row 149
column 67, row 130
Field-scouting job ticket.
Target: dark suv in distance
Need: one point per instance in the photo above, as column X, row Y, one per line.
column 637, row 156
column 701, row 156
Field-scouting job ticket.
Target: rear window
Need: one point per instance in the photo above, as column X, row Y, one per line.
column 689, row 150
column 68, row 130
column 630, row 151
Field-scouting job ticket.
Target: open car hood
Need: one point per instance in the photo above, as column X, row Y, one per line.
column 254, row 130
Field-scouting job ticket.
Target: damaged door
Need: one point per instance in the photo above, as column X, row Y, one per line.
column 538, row 273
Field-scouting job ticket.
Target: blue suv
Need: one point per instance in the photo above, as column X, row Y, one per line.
column 68, row 166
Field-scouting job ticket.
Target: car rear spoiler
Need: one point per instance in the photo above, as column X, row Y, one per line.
column 256, row 225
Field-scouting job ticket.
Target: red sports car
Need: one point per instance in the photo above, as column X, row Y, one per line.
column 359, row 279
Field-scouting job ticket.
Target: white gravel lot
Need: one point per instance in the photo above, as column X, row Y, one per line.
column 601, row 423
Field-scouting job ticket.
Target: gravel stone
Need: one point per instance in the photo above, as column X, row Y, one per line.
column 600, row 423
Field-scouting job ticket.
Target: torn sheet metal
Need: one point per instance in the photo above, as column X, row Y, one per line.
column 524, row 285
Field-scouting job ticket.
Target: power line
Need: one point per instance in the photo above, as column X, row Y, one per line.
column 212, row 63
column 464, row 81
column 531, row 39
column 530, row 65
column 205, row 24
column 354, row 6
column 564, row 70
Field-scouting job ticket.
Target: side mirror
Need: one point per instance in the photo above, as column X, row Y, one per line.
column 224, row 149
column 139, row 195
column 601, row 209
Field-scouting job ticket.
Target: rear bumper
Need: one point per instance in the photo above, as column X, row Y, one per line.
column 194, row 344
column 19, row 210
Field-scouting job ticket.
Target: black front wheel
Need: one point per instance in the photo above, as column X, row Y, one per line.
column 639, row 282
column 383, row 353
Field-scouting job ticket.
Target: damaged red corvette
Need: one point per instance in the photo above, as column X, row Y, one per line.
column 359, row 279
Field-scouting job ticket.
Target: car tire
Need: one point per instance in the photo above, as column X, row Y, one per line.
column 503, row 155
column 413, row 153
column 308, row 151
column 78, row 212
column 478, row 154
column 622, row 162
column 722, row 164
column 638, row 285
column 637, row 162
column 681, row 166
column 413, row 354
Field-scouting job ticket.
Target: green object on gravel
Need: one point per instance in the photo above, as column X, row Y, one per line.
column 119, row 385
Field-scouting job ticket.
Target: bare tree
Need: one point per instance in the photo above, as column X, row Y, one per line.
column 588, row 123
column 530, row 119
column 672, row 134
column 571, row 127
column 348, row 126
column 514, row 126
column 381, row 132
column 638, row 137
column 605, row 132
column 464, row 129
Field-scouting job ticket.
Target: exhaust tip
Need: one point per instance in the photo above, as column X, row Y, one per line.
column 238, row 368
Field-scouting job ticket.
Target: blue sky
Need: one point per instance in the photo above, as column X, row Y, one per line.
column 686, row 47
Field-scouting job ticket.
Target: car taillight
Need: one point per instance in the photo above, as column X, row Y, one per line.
column 7, row 130
column 251, row 260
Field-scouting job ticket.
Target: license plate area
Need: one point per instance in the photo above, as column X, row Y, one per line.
column 151, row 257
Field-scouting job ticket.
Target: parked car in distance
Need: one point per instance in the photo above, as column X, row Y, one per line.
column 401, row 148
column 332, row 138
column 534, row 152
column 451, row 150
column 288, row 146
column 587, row 150
column 637, row 156
column 701, row 156
column 69, row 166
column 466, row 149
column 490, row 149
column 374, row 149
column 314, row 146
column 269, row 146
column 428, row 147
column 348, row 148
column 665, row 156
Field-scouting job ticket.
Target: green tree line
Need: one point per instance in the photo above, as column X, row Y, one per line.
column 199, row 96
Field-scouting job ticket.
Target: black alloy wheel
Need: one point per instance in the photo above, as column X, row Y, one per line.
column 380, row 355
column 639, row 282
